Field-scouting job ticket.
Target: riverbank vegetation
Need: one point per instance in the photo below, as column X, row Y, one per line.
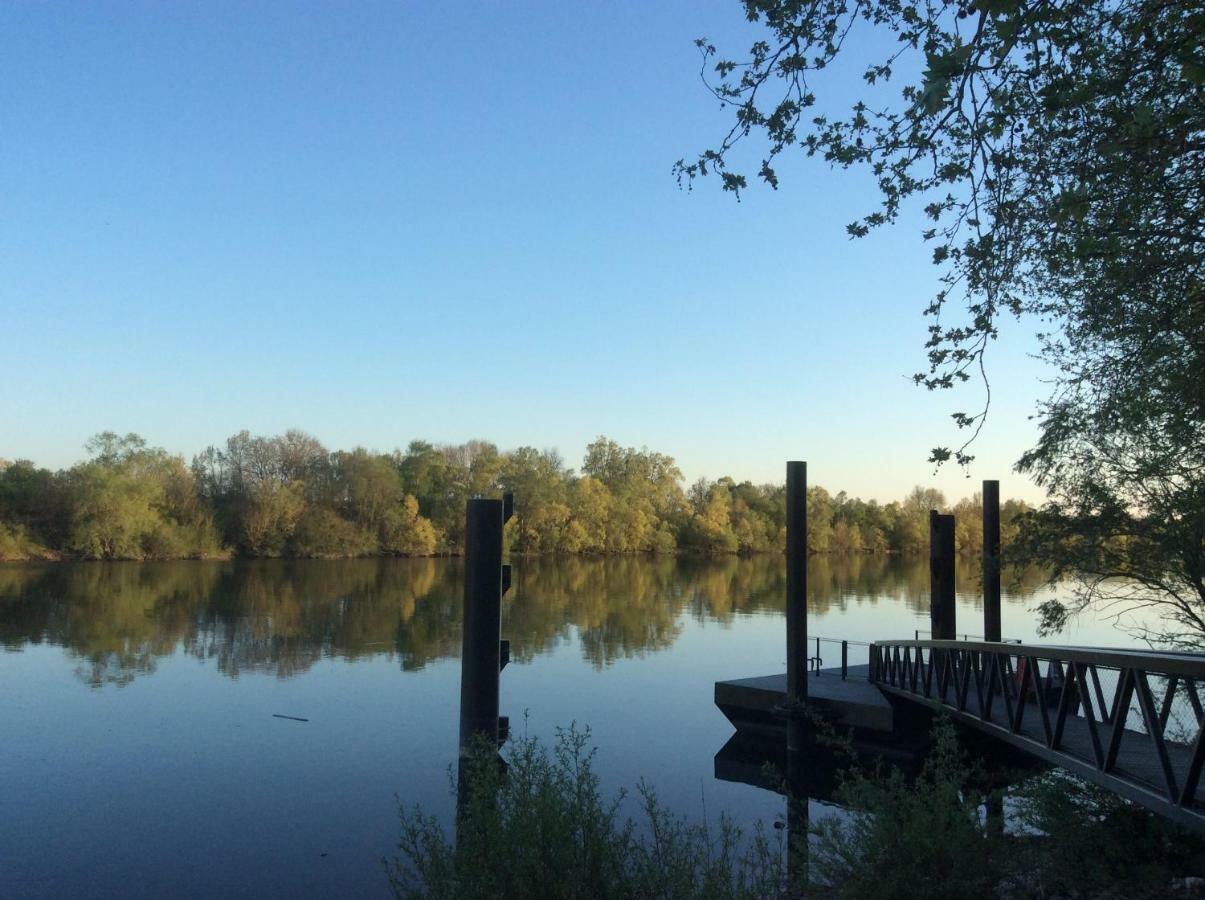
column 289, row 496
column 545, row 829
column 1048, row 834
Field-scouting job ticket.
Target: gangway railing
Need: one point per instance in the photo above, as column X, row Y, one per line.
column 1146, row 743
column 916, row 636
column 816, row 663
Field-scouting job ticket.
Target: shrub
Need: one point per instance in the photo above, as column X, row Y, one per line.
column 924, row 838
column 1132, row 852
column 324, row 533
column 543, row 830
column 16, row 545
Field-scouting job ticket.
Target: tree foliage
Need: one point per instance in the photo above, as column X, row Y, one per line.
column 1057, row 149
column 288, row 496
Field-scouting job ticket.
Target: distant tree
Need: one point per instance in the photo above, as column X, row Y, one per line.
column 646, row 489
column 590, row 511
column 757, row 530
column 321, row 532
column 367, row 487
column 434, row 481
column 268, row 516
column 968, row 524
column 422, row 469
column 405, row 532
column 287, row 496
column 820, row 519
column 132, row 501
column 710, row 528
column 911, row 523
column 443, row 478
column 110, row 449
column 301, row 457
column 538, row 481
column 36, row 501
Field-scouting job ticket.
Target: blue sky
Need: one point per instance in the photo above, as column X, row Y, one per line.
column 377, row 222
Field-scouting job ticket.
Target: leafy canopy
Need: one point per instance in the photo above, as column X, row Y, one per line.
column 1057, row 148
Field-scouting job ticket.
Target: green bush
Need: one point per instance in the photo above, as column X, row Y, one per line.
column 323, row 533
column 932, row 837
column 543, row 830
column 16, row 545
column 191, row 540
column 1133, row 853
column 924, row 838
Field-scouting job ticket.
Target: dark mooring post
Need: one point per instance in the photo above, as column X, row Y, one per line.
column 485, row 580
column 797, row 592
column 942, row 625
column 991, row 560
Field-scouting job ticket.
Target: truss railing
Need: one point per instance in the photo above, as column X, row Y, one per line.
column 1145, row 743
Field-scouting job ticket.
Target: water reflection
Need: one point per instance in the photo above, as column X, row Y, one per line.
column 280, row 617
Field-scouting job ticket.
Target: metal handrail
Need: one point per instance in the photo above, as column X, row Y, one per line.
column 1154, row 661
column 843, row 641
column 966, row 637
column 992, row 686
column 817, row 661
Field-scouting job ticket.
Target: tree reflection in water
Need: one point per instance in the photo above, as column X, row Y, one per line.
column 280, row 617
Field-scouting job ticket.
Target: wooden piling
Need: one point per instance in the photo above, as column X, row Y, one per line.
column 797, row 602
column 797, row 581
column 942, row 614
column 480, row 660
column 991, row 560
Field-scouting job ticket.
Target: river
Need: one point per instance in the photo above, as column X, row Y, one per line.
column 143, row 753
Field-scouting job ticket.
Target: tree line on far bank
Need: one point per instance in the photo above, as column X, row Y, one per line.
column 288, row 496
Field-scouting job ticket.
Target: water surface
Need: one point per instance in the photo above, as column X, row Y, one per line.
column 141, row 755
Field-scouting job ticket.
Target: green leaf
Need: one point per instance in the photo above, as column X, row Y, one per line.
column 997, row 7
column 1194, row 71
column 1006, row 29
column 936, row 90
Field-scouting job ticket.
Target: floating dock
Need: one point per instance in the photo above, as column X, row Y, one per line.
column 756, row 706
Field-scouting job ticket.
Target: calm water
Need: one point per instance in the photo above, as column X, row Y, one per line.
column 140, row 755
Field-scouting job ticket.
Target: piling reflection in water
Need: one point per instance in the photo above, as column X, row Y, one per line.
column 814, row 775
column 280, row 617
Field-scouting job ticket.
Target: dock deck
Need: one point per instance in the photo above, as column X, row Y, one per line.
column 754, row 705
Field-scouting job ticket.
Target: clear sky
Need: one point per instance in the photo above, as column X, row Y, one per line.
column 383, row 221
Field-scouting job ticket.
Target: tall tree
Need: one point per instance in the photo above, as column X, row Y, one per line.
column 1057, row 147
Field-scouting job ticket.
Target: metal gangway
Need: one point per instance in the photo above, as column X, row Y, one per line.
column 1129, row 721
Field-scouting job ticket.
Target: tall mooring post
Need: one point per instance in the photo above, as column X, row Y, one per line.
column 942, row 622
column 797, row 676
column 991, row 560
column 483, row 653
column 797, row 602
